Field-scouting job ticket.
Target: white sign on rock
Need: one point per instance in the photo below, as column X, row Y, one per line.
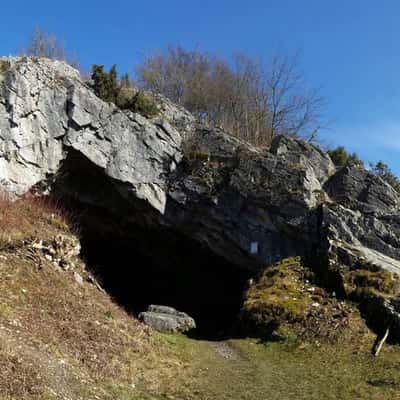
column 254, row 248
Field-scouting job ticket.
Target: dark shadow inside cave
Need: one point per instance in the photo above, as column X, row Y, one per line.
column 155, row 267
column 139, row 261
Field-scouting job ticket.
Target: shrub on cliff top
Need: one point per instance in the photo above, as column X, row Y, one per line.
column 383, row 171
column 121, row 92
column 341, row 157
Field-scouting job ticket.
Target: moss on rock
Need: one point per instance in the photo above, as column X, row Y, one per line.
column 278, row 295
column 284, row 303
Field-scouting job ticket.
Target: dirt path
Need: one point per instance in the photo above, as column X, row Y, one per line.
column 225, row 350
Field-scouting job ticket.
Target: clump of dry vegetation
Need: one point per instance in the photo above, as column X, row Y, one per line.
column 4, row 66
column 374, row 290
column 378, row 280
column 30, row 218
column 367, row 277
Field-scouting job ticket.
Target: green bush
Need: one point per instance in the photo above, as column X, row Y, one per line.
column 121, row 93
column 382, row 170
column 144, row 104
column 341, row 157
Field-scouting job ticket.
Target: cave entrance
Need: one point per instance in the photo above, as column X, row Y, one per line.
column 139, row 261
column 161, row 267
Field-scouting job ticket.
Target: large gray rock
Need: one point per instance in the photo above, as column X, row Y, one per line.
column 248, row 205
column 357, row 188
column 298, row 152
column 167, row 319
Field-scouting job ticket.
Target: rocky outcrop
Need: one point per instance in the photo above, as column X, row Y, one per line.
column 61, row 250
column 244, row 204
column 47, row 111
column 167, row 319
column 364, row 219
column 251, row 207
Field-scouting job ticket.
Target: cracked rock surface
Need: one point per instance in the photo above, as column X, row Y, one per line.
column 249, row 206
column 46, row 110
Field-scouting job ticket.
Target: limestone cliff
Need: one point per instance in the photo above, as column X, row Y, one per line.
column 250, row 207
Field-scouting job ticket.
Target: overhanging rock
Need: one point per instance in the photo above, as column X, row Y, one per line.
column 250, row 206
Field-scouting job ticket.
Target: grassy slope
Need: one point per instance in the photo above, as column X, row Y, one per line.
column 63, row 340
column 280, row 371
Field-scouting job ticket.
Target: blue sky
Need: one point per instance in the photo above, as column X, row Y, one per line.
column 351, row 49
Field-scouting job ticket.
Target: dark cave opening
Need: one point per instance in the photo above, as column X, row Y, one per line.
column 140, row 261
column 166, row 269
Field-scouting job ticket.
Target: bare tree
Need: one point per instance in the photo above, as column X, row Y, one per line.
column 44, row 44
column 293, row 107
column 253, row 100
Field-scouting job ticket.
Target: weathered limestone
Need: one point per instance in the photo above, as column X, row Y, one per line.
column 46, row 110
column 249, row 206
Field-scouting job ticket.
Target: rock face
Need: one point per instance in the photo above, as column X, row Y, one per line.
column 363, row 219
column 46, row 111
column 250, row 206
column 167, row 319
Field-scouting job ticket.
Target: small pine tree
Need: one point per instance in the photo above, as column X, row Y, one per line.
column 382, row 170
column 108, row 88
column 113, row 86
column 353, row 157
column 100, row 82
column 125, row 81
column 341, row 157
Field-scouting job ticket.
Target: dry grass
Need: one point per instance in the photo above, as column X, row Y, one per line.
column 63, row 340
column 60, row 339
column 30, row 217
column 74, row 333
column 380, row 280
column 291, row 371
column 4, row 66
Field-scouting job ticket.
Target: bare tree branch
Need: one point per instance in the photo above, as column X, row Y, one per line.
column 254, row 101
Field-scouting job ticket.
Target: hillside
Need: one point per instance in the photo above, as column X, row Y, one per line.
column 289, row 265
column 63, row 337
